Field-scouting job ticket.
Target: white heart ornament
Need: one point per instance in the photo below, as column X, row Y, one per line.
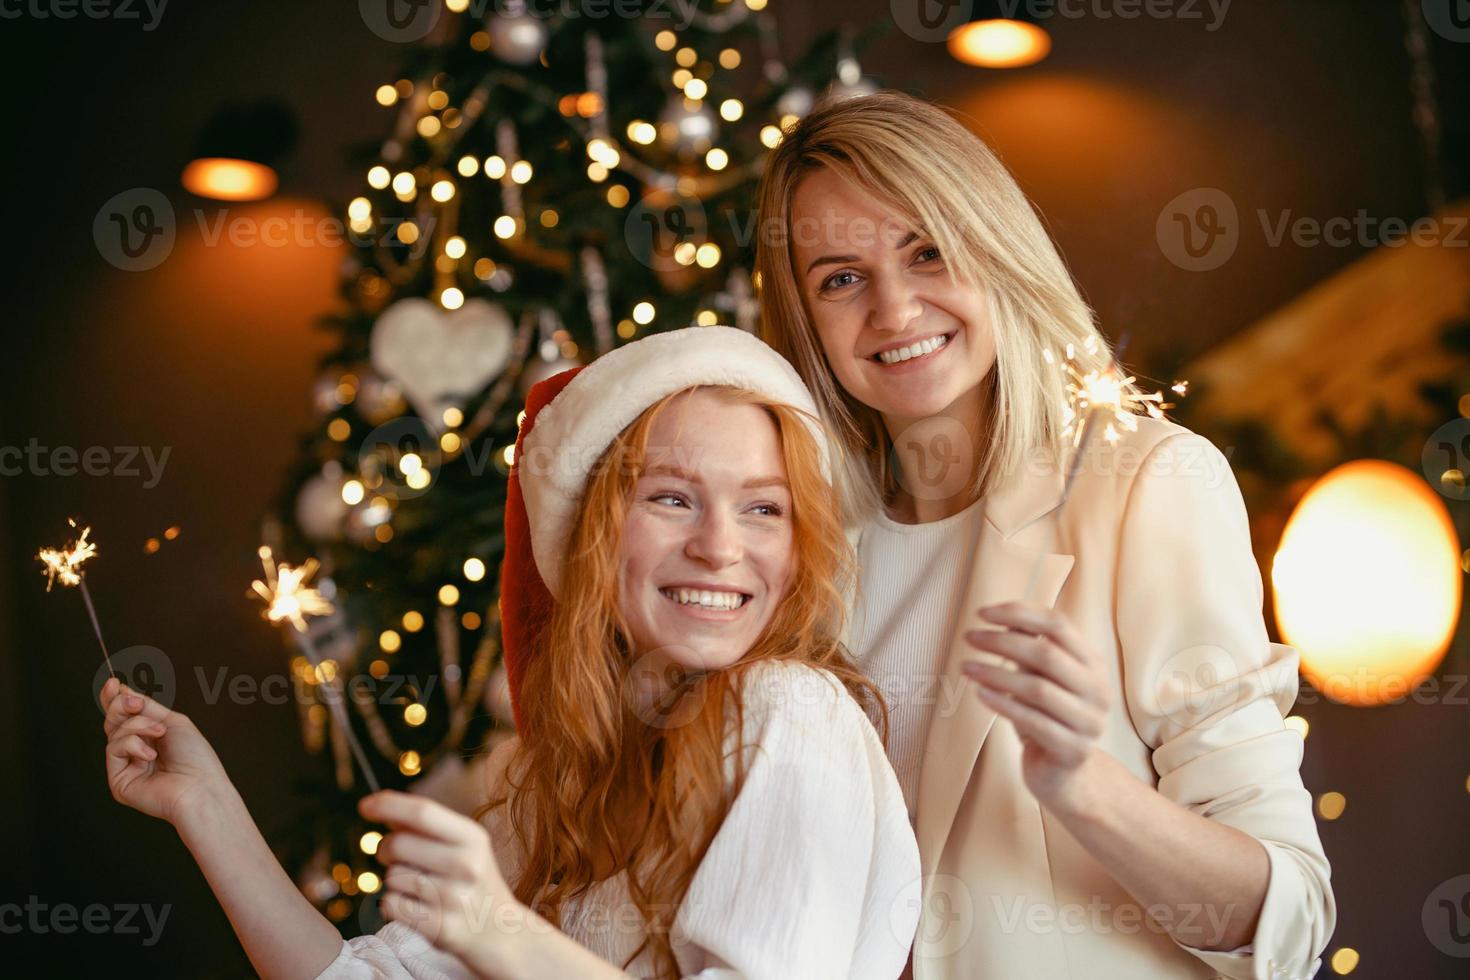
column 441, row 357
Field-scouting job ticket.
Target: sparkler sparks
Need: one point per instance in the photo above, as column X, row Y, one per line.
column 286, row 595
column 288, row 599
column 1106, row 396
column 64, row 563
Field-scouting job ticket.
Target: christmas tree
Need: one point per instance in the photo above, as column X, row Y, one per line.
column 551, row 186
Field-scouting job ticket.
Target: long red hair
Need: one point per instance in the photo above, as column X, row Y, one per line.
column 588, row 752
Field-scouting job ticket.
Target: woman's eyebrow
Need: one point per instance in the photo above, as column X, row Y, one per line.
column 679, row 473
column 836, row 259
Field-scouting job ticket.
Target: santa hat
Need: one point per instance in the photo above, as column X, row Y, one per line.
column 571, row 420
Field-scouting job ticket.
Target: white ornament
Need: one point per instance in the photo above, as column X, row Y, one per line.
column 320, row 509
column 441, row 357
column 516, row 37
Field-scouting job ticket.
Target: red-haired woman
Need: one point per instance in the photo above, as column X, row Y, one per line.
column 695, row 790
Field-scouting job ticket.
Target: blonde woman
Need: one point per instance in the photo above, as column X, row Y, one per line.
column 695, row 790
column 1087, row 715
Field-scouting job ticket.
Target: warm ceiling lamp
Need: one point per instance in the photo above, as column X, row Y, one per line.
column 1367, row 582
column 994, row 39
column 238, row 152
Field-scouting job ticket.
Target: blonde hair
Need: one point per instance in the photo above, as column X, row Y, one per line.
column 931, row 170
column 584, row 746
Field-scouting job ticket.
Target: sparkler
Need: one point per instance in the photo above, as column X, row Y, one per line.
column 65, row 564
column 1102, row 396
column 288, row 598
column 1098, row 398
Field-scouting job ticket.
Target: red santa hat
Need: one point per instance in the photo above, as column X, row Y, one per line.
column 571, row 420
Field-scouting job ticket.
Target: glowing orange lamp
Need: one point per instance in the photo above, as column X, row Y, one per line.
column 1367, row 582
column 995, row 38
column 238, row 152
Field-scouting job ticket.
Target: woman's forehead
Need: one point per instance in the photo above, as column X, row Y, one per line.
column 704, row 432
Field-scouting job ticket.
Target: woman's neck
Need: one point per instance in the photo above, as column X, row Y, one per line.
column 938, row 458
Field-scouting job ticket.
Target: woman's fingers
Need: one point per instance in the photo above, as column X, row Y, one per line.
column 407, row 880
column 405, row 848
column 122, row 752
column 1056, row 739
column 426, row 817
column 1038, row 654
column 126, row 703
column 140, row 725
column 1041, row 694
column 1040, row 621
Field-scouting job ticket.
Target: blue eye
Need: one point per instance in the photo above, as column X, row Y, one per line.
column 677, row 498
column 775, row 510
column 830, row 281
column 927, row 249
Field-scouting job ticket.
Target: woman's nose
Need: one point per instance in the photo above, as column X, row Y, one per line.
column 895, row 304
column 715, row 541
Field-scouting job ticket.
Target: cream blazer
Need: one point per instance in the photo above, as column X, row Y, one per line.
column 1151, row 560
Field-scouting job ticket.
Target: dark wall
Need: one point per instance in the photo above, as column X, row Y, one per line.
column 1301, row 105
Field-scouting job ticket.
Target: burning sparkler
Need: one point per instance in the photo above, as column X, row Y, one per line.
column 288, row 598
column 1103, row 398
column 65, row 564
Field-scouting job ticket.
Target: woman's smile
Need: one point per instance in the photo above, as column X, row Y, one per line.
column 903, row 358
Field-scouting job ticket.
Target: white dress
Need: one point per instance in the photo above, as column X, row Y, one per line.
column 814, row 873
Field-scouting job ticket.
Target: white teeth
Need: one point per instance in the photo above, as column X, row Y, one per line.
column 913, row 350
column 705, row 598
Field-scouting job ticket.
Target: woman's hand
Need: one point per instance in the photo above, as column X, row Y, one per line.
column 157, row 761
column 1057, row 696
column 443, row 878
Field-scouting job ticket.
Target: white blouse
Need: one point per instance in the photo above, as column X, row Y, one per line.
column 813, row 874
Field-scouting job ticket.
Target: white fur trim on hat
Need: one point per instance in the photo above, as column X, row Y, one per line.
column 575, row 429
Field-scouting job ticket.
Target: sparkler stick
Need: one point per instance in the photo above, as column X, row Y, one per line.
column 1100, row 398
column 289, row 599
column 65, row 564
